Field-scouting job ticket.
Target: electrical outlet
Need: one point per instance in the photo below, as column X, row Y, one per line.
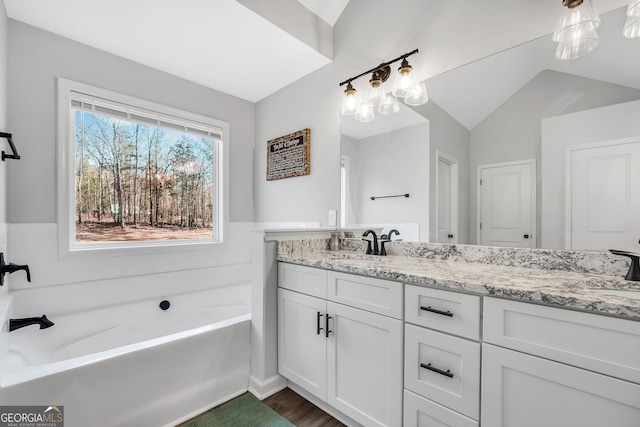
column 332, row 218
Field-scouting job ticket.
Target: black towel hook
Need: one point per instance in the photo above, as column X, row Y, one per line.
column 14, row 153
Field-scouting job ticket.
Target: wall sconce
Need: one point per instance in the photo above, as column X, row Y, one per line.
column 576, row 33
column 404, row 87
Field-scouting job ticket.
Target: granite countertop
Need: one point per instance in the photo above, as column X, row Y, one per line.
column 551, row 287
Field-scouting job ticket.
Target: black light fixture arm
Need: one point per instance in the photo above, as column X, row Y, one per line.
column 401, row 57
column 14, row 153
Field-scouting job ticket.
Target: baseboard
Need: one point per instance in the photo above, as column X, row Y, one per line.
column 206, row 408
column 324, row 406
column 263, row 389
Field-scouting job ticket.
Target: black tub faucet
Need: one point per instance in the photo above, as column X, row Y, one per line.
column 11, row 268
column 26, row 321
column 371, row 251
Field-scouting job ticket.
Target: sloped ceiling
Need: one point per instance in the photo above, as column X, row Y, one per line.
column 251, row 49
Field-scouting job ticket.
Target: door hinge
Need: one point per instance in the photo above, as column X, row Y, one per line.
column 480, row 226
column 480, row 182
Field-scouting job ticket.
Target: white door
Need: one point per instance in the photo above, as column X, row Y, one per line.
column 519, row 390
column 302, row 342
column 605, row 197
column 507, row 204
column 446, row 199
column 364, row 362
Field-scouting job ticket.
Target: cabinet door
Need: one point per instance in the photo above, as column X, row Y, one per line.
column 520, row 390
column 364, row 365
column 301, row 345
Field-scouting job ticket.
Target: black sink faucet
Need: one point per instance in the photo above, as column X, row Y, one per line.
column 11, row 268
column 26, row 321
column 375, row 250
column 390, row 235
column 634, row 268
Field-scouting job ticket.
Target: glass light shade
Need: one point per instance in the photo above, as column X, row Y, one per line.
column 349, row 103
column 417, row 94
column 389, row 105
column 375, row 95
column 576, row 21
column 632, row 27
column 634, row 8
column 575, row 48
column 404, row 80
column 364, row 112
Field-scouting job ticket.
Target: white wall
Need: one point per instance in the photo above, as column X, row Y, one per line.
column 595, row 125
column 448, row 136
column 389, row 164
column 4, row 305
column 513, row 131
column 36, row 58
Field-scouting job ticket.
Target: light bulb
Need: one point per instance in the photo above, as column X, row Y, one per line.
column 364, row 112
column 632, row 27
column 349, row 101
column 375, row 94
column 404, row 79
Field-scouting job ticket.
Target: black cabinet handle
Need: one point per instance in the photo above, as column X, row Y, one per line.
column 327, row 331
column 318, row 327
column 446, row 373
column 526, row 236
column 433, row 310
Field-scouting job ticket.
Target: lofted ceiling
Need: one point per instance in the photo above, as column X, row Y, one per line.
column 221, row 44
column 251, row 49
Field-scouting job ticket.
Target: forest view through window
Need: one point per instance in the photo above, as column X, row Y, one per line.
column 141, row 178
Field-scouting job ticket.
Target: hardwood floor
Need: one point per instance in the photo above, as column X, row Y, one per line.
column 299, row 411
column 294, row 408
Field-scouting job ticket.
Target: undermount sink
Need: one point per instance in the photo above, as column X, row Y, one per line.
column 618, row 292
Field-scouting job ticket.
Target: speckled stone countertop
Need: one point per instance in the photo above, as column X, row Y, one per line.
column 567, row 289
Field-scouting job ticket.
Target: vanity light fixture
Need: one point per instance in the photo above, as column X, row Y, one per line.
column 632, row 24
column 576, row 33
column 377, row 97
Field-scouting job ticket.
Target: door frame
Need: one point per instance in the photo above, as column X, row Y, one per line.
column 534, row 197
column 568, row 202
column 454, row 180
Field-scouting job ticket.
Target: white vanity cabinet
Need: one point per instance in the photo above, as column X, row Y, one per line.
column 442, row 358
column 340, row 338
column 544, row 366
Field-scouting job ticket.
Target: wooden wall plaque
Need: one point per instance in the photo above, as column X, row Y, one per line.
column 289, row 156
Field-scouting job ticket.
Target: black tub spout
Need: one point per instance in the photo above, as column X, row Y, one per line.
column 21, row 323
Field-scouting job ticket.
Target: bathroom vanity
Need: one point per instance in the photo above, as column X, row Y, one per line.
column 420, row 340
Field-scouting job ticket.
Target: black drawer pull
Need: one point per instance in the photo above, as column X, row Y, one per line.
column 326, row 325
column 318, row 328
column 433, row 310
column 446, row 373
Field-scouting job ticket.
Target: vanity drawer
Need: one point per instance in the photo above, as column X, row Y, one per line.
column 306, row 280
column 367, row 293
column 421, row 412
column 443, row 368
column 598, row 343
column 446, row 311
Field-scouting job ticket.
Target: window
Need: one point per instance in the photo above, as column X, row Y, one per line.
column 136, row 175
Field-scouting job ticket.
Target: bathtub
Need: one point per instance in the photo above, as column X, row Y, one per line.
column 133, row 364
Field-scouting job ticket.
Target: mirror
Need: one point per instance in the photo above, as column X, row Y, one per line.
column 520, row 113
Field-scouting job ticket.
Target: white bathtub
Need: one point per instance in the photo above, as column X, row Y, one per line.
column 134, row 364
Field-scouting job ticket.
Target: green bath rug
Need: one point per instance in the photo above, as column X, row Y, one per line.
column 244, row 411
